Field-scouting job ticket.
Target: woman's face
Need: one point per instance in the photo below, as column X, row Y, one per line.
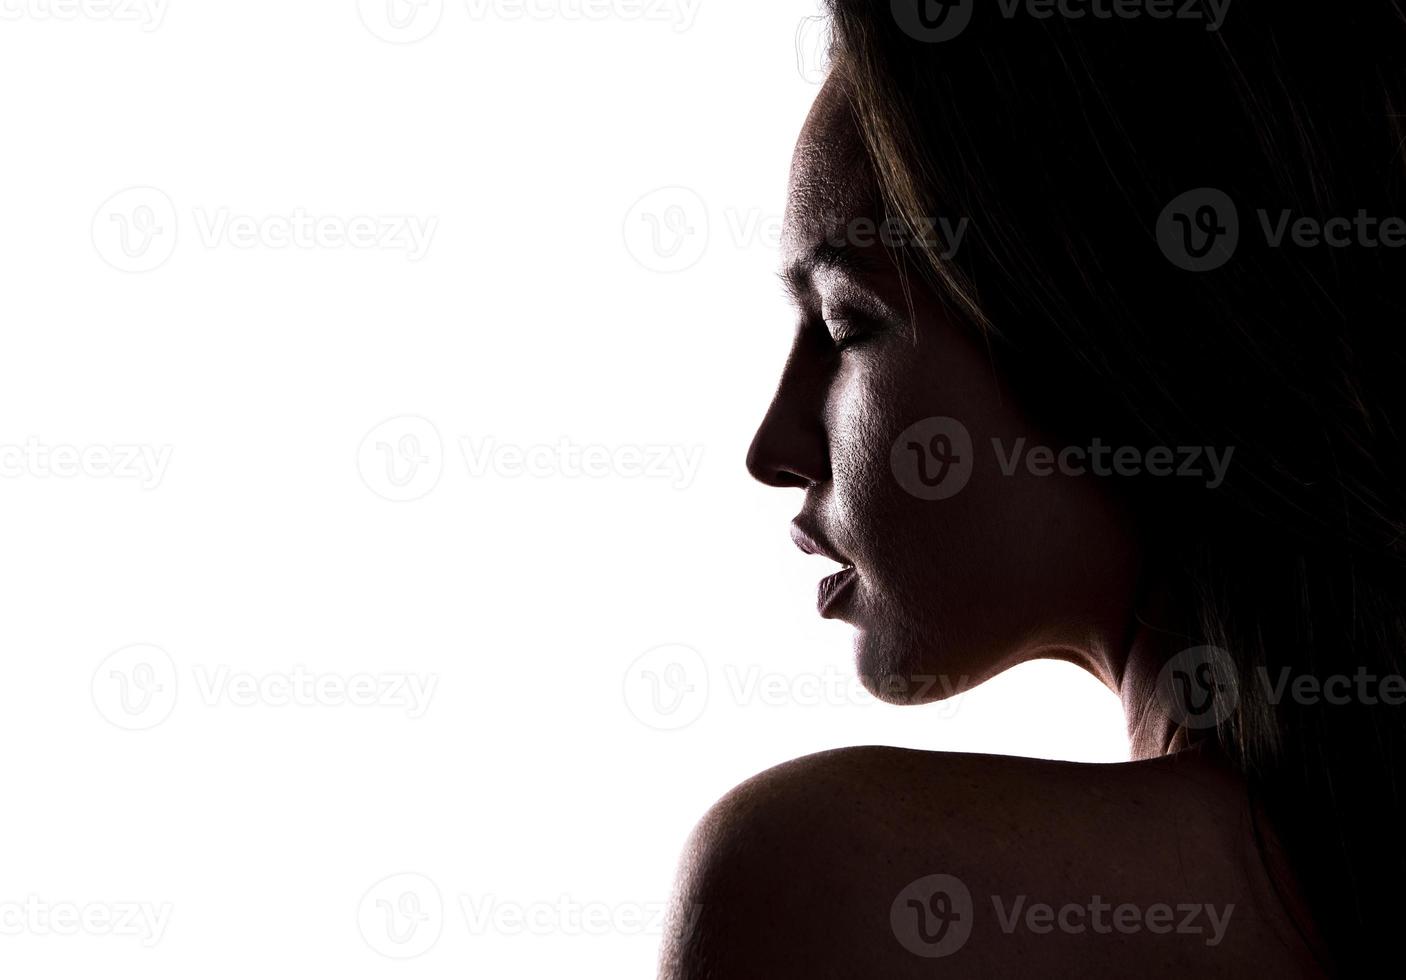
column 960, row 568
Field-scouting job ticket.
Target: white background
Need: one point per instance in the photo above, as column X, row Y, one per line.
column 559, row 302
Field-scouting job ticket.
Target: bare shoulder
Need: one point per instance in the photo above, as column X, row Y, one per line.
column 882, row 861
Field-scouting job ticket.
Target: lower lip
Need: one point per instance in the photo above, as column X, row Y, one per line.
column 833, row 590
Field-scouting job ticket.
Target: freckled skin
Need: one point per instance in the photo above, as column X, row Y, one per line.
column 1012, row 567
column 795, row 871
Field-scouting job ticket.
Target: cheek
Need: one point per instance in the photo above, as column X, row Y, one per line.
column 927, row 562
column 858, row 418
column 997, row 563
column 873, row 399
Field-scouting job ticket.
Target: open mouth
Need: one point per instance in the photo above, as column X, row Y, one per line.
column 835, row 587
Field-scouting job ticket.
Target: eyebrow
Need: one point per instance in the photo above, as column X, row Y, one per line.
column 842, row 257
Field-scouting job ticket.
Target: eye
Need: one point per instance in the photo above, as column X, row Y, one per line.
column 849, row 329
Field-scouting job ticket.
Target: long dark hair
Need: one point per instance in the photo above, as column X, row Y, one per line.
column 1068, row 144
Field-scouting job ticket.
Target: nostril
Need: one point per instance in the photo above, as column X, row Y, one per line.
column 787, row 454
column 774, row 475
column 766, row 466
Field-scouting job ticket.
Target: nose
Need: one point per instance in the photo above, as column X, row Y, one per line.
column 790, row 448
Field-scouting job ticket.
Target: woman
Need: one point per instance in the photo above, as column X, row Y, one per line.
column 1098, row 358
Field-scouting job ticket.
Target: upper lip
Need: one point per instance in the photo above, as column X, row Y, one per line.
column 813, row 544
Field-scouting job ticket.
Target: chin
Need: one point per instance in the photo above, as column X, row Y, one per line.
column 895, row 666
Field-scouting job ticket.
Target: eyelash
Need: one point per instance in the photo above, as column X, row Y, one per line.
column 860, row 330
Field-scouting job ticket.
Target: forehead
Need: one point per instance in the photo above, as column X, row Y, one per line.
column 831, row 182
